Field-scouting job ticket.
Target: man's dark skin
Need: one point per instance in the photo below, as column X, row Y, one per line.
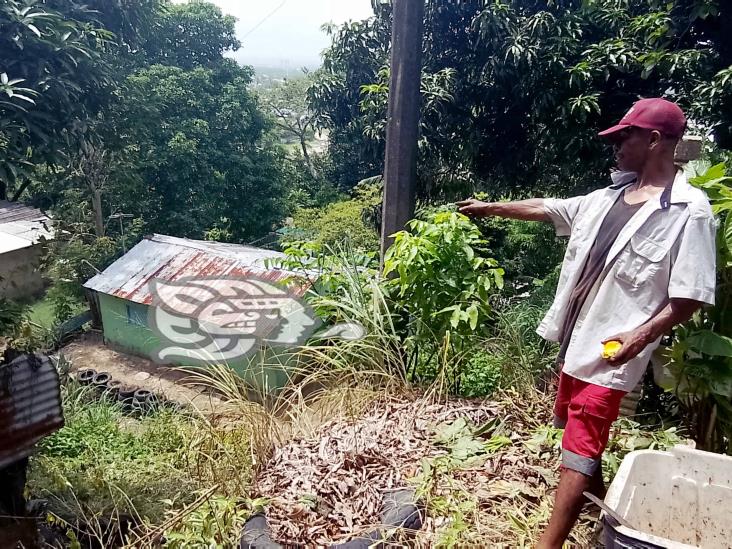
column 651, row 155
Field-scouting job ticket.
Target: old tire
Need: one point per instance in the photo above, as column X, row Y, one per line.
column 256, row 535
column 141, row 401
column 112, row 389
column 101, row 380
column 85, row 377
column 126, row 397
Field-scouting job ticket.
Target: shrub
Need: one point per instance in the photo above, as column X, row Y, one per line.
column 216, row 523
column 332, row 224
column 441, row 284
column 104, row 464
column 12, row 315
column 527, row 250
column 480, row 376
column 701, row 355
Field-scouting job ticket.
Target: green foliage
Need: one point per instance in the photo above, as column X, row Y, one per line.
column 308, row 189
column 480, row 375
column 100, row 464
column 58, row 72
column 217, row 523
column 333, row 224
column 105, row 464
column 627, row 437
column 51, row 66
column 178, row 142
column 72, row 262
column 12, row 315
column 701, row 355
column 20, row 331
column 191, row 34
column 199, row 148
column 340, row 278
column 287, row 104
column 483, row 63
column 463, row 441
column 528, row 251
column 440, row 282
column 438, row 272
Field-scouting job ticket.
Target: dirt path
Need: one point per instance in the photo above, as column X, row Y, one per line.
column 89, row 351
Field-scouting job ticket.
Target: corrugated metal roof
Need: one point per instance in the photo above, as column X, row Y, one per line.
column 22, row 226
column 170, row 258
column 30, row 405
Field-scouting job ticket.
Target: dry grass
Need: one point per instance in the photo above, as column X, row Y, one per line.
column 321, row 453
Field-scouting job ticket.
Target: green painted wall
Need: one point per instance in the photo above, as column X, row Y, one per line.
column 126, row 328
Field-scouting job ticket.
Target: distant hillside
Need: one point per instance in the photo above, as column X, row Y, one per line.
column 266, row 76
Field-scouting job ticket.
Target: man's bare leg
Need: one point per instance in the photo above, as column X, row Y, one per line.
column 568, row 504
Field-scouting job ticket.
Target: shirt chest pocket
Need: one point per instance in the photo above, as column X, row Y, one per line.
column 640, row 260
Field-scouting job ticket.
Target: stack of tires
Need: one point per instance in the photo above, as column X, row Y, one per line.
column 134, row 400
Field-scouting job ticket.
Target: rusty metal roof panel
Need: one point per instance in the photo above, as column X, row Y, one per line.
column 30, row 405
column 170, row 258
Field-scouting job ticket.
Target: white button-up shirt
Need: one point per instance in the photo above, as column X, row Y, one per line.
column 666, row 250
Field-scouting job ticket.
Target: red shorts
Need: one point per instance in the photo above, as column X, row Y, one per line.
column 586, row 412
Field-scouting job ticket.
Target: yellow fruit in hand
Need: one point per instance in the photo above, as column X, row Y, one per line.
column 610, row 349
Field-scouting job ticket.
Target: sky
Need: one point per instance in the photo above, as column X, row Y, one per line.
column 286, row 33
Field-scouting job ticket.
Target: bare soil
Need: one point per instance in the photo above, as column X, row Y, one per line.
column 174, row 383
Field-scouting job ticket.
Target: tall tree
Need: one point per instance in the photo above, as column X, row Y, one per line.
column 60, row 66
column 287, row 103
column 199, row 147
column 191, row 34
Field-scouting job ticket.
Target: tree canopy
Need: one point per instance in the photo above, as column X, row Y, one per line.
column 524, row 85
column 198, row 147
column 143, row 115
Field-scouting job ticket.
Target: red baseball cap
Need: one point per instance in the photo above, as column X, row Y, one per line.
column 653, row 114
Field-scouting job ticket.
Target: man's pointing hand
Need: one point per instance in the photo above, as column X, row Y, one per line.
column 473, row 208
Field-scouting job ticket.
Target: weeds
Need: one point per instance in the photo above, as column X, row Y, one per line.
column 105, row 470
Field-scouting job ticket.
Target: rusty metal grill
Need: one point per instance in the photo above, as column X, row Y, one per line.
column 30, row 405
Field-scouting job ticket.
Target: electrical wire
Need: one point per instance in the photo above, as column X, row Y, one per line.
column 266, row 17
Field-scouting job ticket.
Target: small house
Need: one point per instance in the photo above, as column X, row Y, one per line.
column 23, row 231
column 121, row 299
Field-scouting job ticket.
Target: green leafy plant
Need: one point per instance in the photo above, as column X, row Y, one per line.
column 480, row 376
column 216, row 523
column 628, row 436
column 436, row 276
column 12, row 315
column 344, row 220
column 700, row 358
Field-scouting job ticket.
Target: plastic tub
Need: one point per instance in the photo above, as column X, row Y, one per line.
column 676, row 499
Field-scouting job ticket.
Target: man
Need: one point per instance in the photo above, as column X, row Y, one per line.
column 640, row 259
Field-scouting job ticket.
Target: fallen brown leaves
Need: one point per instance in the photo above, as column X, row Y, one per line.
column 327, row 487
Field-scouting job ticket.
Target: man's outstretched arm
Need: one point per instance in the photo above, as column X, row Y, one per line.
column 527, row 210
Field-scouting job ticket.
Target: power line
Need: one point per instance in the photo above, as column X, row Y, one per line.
column 270, row 14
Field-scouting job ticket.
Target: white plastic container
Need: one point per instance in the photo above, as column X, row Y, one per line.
column 677, row 499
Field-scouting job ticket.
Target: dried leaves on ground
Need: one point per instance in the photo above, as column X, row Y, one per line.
column 483, row 470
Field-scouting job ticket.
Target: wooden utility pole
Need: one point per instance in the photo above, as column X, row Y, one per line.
column 402, row 126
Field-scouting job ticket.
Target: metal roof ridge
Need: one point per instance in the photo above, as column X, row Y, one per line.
column 210, row 246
